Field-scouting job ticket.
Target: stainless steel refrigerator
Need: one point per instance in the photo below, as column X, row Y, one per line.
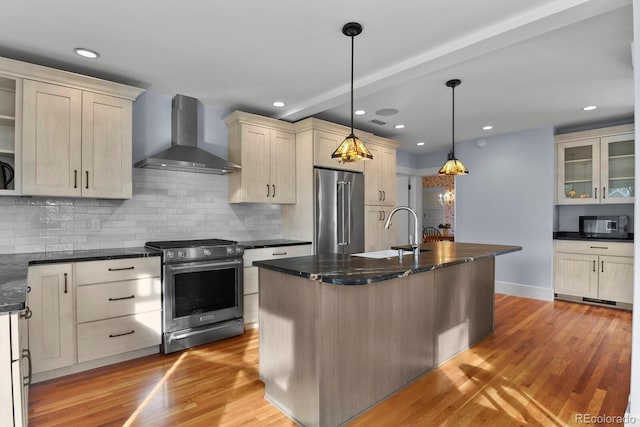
column 339, row 224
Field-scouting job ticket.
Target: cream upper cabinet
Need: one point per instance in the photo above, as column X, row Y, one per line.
column 380, row 175
column 10, row 135
column 265, row 149
column 106, row 146
column 75, row 143
column 65, row 134
column 324, row 144
column 595, row 167
column 52, row 326
column 52, row 140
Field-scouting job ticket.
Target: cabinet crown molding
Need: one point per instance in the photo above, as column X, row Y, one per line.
column 44, row 74
column 255, row 119
column 594, row 133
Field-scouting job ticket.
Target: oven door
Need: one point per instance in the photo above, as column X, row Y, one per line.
column 201, row 293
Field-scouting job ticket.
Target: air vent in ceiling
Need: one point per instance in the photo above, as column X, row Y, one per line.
column 378, row 122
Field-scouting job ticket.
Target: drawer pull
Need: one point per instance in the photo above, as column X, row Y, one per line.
column 122, row 334
column 599, row 247
column 27, row 313
column 121, row 269
column 121, row 298
column 65, row 283
column 278, row 253
column 602, row 266
column 26, row 354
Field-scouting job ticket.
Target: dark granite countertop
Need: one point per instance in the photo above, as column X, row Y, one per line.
column 13, row 269
column 272, row 243
column 574, row 235
column 356, row 270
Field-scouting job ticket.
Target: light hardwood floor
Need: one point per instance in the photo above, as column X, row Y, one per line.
column 546, row 363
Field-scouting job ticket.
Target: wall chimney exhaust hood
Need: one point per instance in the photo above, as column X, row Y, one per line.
column 184, row 154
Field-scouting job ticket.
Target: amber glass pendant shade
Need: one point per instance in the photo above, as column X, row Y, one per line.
column 352, row 148
column 453, row 166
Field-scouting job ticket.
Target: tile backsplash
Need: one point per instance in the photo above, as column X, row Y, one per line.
column 165, row 205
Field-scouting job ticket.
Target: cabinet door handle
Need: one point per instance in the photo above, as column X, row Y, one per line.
column 604, row 192
column 65, row 283
column 274, row 190
column 122, row 334
column 599, row 247
column 602, row 266
column 87, row 183
column 278, row 253
column 75, row 178
column 384, row 215
column 121, row 268
column 121, row 298
column 267, row 190
column 26, row 380
column 594, row 265
column 595, row 192
column 379, row 195
column 384, row 195
column 27, row 313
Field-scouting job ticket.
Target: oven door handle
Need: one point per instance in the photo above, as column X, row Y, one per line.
column 198, row 266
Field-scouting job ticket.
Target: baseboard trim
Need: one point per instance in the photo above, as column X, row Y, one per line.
column 525, row 291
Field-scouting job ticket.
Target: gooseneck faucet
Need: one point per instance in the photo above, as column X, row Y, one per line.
column 415, row 245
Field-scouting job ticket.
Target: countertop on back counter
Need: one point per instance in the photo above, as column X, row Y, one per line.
column 13, row 269
column 271, row 243
column 574, row 235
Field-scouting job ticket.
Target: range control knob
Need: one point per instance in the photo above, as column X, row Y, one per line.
column 182, row 254
column 207, row 252
column 170, row 254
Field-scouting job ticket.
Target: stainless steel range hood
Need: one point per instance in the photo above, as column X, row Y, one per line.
column 184, row 154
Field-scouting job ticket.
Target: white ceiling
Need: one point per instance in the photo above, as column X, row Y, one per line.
column 522, row 64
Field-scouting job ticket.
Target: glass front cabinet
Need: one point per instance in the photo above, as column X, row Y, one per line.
column 596, row 169
column 10, row 112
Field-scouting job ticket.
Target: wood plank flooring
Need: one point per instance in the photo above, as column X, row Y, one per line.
column 546, row 363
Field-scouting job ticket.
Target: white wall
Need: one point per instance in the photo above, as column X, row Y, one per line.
column 507, row 198
column 634, row 395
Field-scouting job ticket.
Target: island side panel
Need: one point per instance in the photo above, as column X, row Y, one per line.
column 464, row 306
column 375, row 339
column 288, row 353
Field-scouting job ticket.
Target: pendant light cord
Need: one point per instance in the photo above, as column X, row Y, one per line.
column 453, row 121
column 352, row 60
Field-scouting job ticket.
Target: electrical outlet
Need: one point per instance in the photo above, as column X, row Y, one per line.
column 95, row 224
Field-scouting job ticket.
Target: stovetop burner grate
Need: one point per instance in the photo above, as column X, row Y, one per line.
column 176, row 244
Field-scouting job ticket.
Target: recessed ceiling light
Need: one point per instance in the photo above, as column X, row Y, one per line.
column 420, row 143
column 399, row 126
column 359, row 112
column 589, row 108
column 487, row 127
column 278, row 104
column 86, row 53
column 387, row 112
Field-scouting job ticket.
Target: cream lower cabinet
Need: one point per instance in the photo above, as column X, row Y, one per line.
column 266, row 151
column 89, row 311
column 52, row 337
column 250, row 281
column 594, row 270
column 376, row 237
column 75, row 143
column 14, row 365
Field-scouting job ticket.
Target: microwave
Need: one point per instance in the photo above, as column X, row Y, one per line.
column 605, row 227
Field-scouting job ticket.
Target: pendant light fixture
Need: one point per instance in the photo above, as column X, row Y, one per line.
column 453, row 166
column 352, row 148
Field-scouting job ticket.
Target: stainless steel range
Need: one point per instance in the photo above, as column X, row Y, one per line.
column 201, row 291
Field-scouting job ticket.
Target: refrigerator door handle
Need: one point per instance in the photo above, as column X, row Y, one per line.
column 347, row 218
column 340, row 231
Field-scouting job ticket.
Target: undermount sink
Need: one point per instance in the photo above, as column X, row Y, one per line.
column 386, row 253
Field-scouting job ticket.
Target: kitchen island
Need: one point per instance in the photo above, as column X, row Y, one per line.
column 340, row 333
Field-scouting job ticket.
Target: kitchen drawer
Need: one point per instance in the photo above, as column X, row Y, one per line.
column 594, row 248
column 114, row 299
column 251, row 255
column 120, row 335
column 112, row 270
